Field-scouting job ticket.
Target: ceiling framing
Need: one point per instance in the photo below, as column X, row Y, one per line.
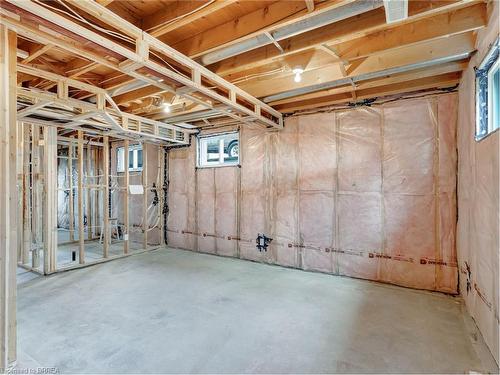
column 225, row 61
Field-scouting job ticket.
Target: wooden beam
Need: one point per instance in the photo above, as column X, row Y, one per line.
column 336, row 33
column 104, row 3
column 126, row 223
column 434, row 49
column 20, row 184
column 89, row 181
column 162, row 23
column 138, row 94
column 81, row 234
column 267, row 20
column 439, row 26
column 71, row 193
column 105, row 205
column 96, row 10
column 36, row 196
column 50, row 200
column 157, row 71
column 37, row 52
column 8, row 197
column 226, row 33
column 384, row 81
column 88, row 109
column 27, row 211
column 161, row 193
column 97, row 159
column 441, row 81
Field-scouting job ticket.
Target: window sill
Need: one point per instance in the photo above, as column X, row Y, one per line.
column 479, row 139
column 219, row 166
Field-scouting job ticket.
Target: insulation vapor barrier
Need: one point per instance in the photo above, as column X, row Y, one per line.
column 366, row 192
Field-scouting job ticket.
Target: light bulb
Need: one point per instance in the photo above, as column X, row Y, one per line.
column 166, row 107
column 298, row 73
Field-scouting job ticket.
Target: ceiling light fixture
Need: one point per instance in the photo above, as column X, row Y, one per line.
column 298, row 73
column 166, row 107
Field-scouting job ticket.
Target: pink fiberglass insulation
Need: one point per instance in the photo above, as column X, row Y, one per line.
column 478, row 234
column 367, row 192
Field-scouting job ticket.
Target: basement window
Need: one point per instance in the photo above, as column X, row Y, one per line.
column 218, row 150
column 488, row 94
column 134, row 158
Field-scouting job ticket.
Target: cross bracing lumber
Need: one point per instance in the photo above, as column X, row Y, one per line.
column 138, row 63
column 82, row 116
column 94, row 114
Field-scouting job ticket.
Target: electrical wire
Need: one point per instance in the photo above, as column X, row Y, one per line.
column 258, row 75
column 181, row 16
column 106, row 31
column 78, row 17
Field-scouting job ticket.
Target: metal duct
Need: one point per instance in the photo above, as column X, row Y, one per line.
column 288, row 31
column 396, row 10
column 364, row 77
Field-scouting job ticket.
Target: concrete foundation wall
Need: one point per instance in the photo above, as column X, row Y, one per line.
column 367, row 193
column 478, row 202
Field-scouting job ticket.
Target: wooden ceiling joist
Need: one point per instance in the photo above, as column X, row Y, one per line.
column 346, row 49
column 279, row 33
column 377, row 82
column 428, row 54
column 144, row 44
column 339, row 32
column 86, row 114
column 225, row 34
column 168, row 20
column 441, row 81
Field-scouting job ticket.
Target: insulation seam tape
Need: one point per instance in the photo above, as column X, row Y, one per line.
column 369, row 254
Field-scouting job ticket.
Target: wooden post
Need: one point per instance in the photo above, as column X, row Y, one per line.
column 50, row 201
column 161, row 193
column 105, row 156
column 145, row 196
column 125, row 198
column 8, row 196
column 26, row 195
column 81, row 240
column 71, row 194
column 36, row 196
column 20, row 188
column 96, row 218
column 89, row 193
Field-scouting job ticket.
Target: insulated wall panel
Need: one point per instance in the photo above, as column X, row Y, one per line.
column 255, row 165
column 360, row 139
column 366, row 192
column 206, row 215
column 408, row 148
column 359, row 234
column 287, row 195
column 226, row 221
column 359, row 197
column 478, row 239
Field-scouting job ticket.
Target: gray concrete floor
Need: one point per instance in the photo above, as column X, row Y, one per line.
column 173, row 311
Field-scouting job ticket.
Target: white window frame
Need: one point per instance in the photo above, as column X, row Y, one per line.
column 492, row 127
column 484, row 96
column 120, row 158
column 202, row 155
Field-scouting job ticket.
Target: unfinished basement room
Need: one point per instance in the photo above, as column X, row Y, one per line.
column 246, row 186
